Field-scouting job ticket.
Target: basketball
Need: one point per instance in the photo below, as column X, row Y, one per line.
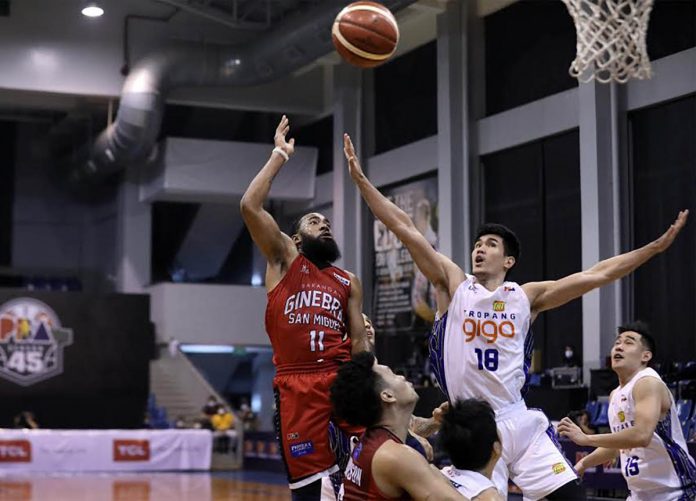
column 365, row 34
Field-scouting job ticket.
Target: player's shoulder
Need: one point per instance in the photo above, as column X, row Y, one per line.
column 648, row 381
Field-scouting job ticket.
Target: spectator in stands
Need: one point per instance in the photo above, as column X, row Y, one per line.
column 180, row 423
column 582, row 419
column 173, row 347
column 570, row 359
column 222, row 423
column 26, row 419
column 223, row 419
column 247, row 415
column 211, row 406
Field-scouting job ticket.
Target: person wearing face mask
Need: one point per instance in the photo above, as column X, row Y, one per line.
column 570, row 359
column 222, row 422
column 645, row 428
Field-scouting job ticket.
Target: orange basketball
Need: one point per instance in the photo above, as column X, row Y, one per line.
column 365, row 34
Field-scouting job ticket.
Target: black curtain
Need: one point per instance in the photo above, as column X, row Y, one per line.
column 8, row 138
column 534, row 189
column 663, row 161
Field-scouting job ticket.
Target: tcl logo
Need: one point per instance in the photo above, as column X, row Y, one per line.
column 131, row 450
column 15, row 451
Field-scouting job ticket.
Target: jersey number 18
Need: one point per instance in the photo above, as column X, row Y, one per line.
column 487, row 359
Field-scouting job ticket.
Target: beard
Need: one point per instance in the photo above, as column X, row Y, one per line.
column 319, row 250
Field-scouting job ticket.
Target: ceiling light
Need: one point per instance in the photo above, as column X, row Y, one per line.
column 92, row 10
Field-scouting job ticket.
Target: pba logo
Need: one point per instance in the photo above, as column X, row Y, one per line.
column 15, row 451
column 498, row 305
column 31, row 341
column 558, row 468
column 131, row 450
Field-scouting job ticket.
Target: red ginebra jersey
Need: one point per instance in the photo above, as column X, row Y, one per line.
column 306, row 316
column 358, row 483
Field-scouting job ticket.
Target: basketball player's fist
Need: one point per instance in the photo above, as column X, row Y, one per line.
column 279, row 138
column 566, row 428
column 580, row 468
column 439, row 412
column 663, row 243
column 353, row 164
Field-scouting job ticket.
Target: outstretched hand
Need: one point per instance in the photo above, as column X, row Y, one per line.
column 663, row 243
column 279, row 138
column 354, row 167
column 567, row 428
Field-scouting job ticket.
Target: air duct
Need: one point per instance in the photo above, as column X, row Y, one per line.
column 130, row 139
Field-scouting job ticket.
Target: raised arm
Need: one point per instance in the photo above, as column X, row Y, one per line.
column 554, row 293
column 647, row 394
column 276, row 246
column 439, row 270
column 356, row 324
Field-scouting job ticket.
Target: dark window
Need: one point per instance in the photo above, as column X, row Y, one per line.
column 320, row 135
column 219, row 124
column 664, row 182
column 8, row 138
column 170, row 223
column 406, row 99
column 535, row 190
column 529, row 48
column 672, row 27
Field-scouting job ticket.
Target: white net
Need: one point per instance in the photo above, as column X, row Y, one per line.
column 611, row 39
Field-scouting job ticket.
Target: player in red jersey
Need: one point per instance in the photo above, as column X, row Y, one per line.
column 382, row 466
column 313, row 319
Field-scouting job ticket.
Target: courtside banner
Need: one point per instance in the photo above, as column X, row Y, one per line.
column 403, row 299
column 105, row 450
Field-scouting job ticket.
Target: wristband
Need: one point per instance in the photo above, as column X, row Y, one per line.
column 280, row 152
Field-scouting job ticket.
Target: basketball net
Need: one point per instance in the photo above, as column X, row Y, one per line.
column 611, row 39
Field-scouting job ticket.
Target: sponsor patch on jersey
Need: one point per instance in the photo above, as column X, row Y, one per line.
column 301, row 449
column 341, row 279
column 508, row 289
column 498, row 305
column 293, row 436
column 558, row 468
column 622, row 416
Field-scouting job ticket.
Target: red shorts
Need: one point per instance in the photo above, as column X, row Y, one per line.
column 303, row 413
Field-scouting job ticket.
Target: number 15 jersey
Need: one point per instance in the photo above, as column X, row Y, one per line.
column 482, row 347
column 306, row 316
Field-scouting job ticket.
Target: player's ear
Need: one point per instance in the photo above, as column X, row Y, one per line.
column 387, row 395
column 509, row 262
column 646, row 357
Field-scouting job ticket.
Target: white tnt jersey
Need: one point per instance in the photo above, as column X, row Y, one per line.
column 664, row 469
column 480, row 347
column 469, row 483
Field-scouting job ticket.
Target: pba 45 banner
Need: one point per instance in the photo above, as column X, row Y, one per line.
column 32, row 340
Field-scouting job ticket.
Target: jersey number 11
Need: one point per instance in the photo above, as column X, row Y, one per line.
column 315, row 341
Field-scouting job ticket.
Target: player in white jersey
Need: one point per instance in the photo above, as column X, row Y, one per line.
column 645, row 428
column 470, row 438
column 481, row 347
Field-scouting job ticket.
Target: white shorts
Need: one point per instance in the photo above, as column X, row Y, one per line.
column 531, row 456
